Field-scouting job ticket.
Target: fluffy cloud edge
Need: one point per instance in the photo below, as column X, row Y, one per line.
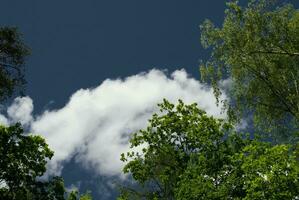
column 96, row 123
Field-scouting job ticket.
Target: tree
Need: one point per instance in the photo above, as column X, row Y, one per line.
column 189, row 155
column 23, row 160
column 258, row 171
column 170, row 141
column 74, row 195
column 257, row 49
column 12, row 56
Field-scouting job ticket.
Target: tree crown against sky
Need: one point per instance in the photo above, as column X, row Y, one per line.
column 23, row 156
column 257, row 49
column 13, row 52
column 23, row 162
column 223, row 164
column 189, row 155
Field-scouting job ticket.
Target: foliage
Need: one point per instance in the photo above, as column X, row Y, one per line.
column 269, row 172
column 23, row 161
column 12, row 55
column 257, row 48
column 189, row 155
column 170, row 141
column 256, row 171
column 47, row 190
column 74, row 195
column 23, row 158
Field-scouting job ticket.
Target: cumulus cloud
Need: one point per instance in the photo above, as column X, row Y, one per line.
column 20, row 111
column 3, row 120
column 94, row 126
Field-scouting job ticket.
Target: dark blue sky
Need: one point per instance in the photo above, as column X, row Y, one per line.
column 77, row 44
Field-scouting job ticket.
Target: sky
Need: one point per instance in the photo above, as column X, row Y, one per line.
column 97, row 63
column 78, row 44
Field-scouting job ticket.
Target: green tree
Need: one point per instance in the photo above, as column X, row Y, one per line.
column 269, row 172
column 257, row 171
column 13, row 52
column 257, row 48
column 74, row 195
column 23, row 161
column 186, row 154
column 169, row 141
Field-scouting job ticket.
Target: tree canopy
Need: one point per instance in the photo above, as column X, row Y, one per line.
column 257, row 49
column 189, row 155
column 23, row 161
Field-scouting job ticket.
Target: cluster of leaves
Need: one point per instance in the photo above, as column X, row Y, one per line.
column 257, row 48
column 23, row 160
column 12, row 56
column 189, row 155
column 74, row 195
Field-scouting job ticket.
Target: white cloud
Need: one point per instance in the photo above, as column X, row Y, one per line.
column 3, row 120
column 21, row 110
column 96, row 123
